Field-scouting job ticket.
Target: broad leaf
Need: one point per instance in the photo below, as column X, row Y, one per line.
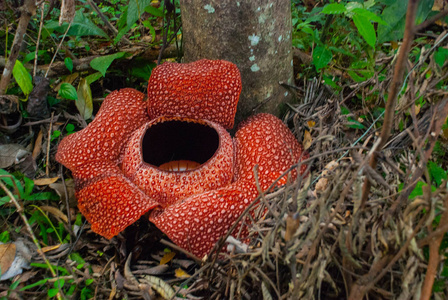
column 22, row 77
column 369, row 15
column 366, row 29
column 395, row 16
column 102, row 63
column 135, row 10
column 93, row 77
column 84, row 103
column 68, row 91
column 69, row 63
column 334, row 8
column 81, row 26
column 441, row 56
column 321, row 57
column 158, row 12
column 437, row 173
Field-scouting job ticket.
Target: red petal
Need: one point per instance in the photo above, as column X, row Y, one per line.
column 121, row 113
column 265, row 141
column 205, row 89
column 197, row 223
column 110, row 202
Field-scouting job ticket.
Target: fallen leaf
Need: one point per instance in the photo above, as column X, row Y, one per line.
column 291, row 227
column 321, row 185
column 307, row 140
column 7, row 255
column 45, row 181
column 59, row 189
column 84, row 102
column 11, row 154
column 167, row 258
column 179, row 273
column 38, row 145
column 311, row 123
column 20, row 261
column 50, row 248
column 160, row 286
column 54, row 211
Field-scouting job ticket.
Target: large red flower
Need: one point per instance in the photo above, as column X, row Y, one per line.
column 170, row 153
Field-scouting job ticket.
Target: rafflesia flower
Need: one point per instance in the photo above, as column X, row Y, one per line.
column 170, row 154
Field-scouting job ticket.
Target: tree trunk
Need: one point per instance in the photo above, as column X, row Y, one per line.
column 255, row 35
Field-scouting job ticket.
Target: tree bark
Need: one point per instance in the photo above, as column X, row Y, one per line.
column 255, row 35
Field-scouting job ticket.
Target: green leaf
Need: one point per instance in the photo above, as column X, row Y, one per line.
column 152, row 31
column 418, row 189
column 369, row 15
column 38, row 283
column 81, row 26
column 366, row 29
column 355, row 76
column 84, row 103
column 41, row 196
column 158, row 12
column 93, row 77
column 441, row 56
column 22, row 77
column 334, row 8
column 52, row 292
column 352, row 123
column 29, row 185
column 395, row 16
column 11, row 181
column 59, row 283
column 77, row 258
column 436, row 172
column 70, row 128
column 68, row 91
column 4, row 236
column 142, row 70
column 321, row 57
column 69, row 63
column 135, row 10
column 102, row 63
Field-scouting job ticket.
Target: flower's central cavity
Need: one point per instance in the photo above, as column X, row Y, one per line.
column 179, row 145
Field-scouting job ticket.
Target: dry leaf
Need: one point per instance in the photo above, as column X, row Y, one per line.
column 45, row 181
column 179, row 273
column 321, row 185
column 7, row 255
column 311, row 123
column 417, row 109
column 307, row 140
column 59, row 189
column 50, row 248
column 38, row 145
column 291, row 227
column 84, row 103
column 20, row 260
column 160, row 286
column 54, row 211
column 11, row 154
column 167, row 258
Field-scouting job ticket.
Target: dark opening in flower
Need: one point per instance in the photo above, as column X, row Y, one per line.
column 167, row 143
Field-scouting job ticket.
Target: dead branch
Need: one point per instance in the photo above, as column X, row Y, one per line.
column 394, row 90
column 434, row 257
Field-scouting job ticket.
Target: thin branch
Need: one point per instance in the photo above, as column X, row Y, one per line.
column 28, row 10
column 394, row 90
column 434, row 258
column 428, row 22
